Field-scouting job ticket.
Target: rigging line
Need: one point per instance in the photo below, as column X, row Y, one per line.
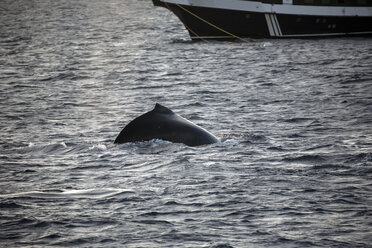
column 187, row 27
column 216, row 27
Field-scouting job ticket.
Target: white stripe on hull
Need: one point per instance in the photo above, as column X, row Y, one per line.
column 278, row 8
column 270, row 25
column 273, row 25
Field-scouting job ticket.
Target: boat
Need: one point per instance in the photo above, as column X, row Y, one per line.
column 239, row 19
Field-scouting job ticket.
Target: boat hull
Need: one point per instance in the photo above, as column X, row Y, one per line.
column 220, row 23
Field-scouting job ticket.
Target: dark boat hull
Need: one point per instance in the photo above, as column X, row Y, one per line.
column 218, row 23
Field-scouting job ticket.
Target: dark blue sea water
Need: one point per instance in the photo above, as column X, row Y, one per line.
column 293, row 168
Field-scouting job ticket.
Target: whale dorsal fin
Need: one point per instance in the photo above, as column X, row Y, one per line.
column 161, row 109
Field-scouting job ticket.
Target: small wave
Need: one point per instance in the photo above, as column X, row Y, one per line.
column 63, row 76
column 276, row 148
column 181, row 41
column 56, row 148
column 25, row 222
column 295, row 136
column 73, row 242
column 363, row 158
column 154, row 222
column 172, row 203
column 327, row 166
column 16, row 39
column 222, row 246
column 319, row 147
column 151, row 143
column 90, row 193
column 243, row 137
column 55, row 194
column 305, row 158
column 48, row 148
column 9, row 205
column 51, row 236
column 156, row 142
column 296, row 120
column 153, row 146
column 31, row 195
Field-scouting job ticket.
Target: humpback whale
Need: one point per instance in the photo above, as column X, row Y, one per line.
column 162, row 123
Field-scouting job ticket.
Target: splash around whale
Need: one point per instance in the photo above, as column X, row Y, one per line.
column 162, row 123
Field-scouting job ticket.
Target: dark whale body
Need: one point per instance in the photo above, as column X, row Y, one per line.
column 163, row 123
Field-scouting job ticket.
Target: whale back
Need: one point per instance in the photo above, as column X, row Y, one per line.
column 163, row 123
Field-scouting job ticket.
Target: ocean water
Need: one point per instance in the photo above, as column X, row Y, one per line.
column 293, row 167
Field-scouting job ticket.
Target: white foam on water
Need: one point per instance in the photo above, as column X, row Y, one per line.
column 228, row 142
column 98, row 147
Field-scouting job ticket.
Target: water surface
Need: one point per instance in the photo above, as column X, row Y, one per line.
column 293, row 168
